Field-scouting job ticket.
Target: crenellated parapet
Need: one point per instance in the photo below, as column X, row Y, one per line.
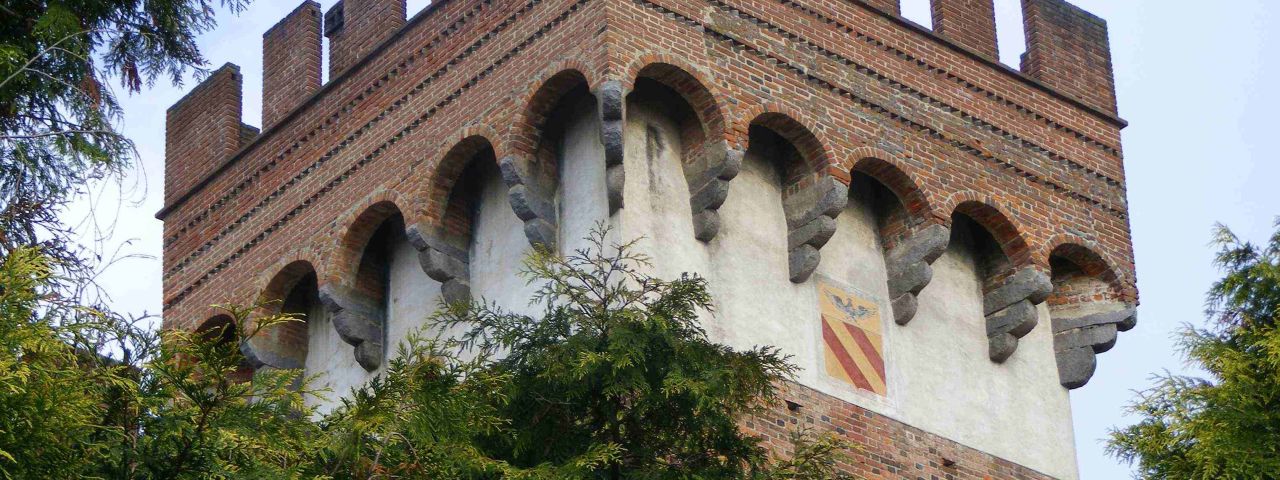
column 355, row 27
column 1069, row 50
column 203, row 131
column 291, row 59
column 970, row 23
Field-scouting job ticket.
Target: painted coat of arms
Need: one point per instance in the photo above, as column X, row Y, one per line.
column 852, row 337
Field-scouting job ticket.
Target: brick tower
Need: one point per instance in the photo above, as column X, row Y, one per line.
column 941, row 241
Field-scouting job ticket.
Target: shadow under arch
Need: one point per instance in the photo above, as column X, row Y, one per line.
column 355, row 295
column 1011, row 285
column 811, row 198
column 1089, row 306
column 294, row 290
column 910, row 244
column 445, row 241
column 223, row 330
column 707, row 161
column 531, row 169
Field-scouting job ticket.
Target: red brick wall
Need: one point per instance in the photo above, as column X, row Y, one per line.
column 1068, row 49
column 886, row 448
column 290, row 62
column 889, row 6
column 971, row 23
column 871, row 88
column 202, row 130
column 365, row 24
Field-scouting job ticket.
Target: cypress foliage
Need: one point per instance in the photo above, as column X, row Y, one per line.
column 1225, row 426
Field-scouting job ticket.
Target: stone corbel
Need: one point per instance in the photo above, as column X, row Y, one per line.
column 612, row 114
column 1011, row 310
column 259, row 356
column 811, row 221
column 909, row 268
column 444, row 263
column 530, row 201
column 358, row 320
column 1078, row 337
column 710, row 189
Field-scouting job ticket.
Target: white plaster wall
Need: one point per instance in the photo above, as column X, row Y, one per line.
column 756, row 302
column 657, row 196
column 498, row 248
column 331, row 363
column 412, row 297
column 583, row 197
column 854, row 257
column 939, row 376
column 1015, row 410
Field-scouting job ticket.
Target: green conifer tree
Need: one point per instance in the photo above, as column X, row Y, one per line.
column 1226, row 426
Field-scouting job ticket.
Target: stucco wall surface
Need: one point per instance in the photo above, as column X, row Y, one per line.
column 939, row 377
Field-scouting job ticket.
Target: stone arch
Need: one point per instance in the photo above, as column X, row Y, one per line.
column 811, row 197
column 1089, row 306
column 707, row 160
column 294, row 289
column 216, row 324
column 444, row 241
column 695, row 85
column 223, row 329
column 889, row 171
column 911, row 241
column 355, row 294
column 531, row 167
column 788, row 124
column 1011, row 285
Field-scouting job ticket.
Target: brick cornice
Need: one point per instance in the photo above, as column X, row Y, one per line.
column 368, row 158
column 997, row 66
column 966, row 116
column 971, row 149
column 333, row 85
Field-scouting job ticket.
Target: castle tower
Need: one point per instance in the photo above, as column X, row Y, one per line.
column 941, row 241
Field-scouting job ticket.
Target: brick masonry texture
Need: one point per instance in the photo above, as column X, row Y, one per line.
column 292, row 57
column 971, row 23
column 1038, row 149
column 888, row 449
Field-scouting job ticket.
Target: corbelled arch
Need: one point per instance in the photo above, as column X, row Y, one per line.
column 1089, row 306
column 530, row 167
column 1012, row 285
column 222, row 328
column 444, row 239
column 430, row 196
column 911, row 236
column 811, row 197
column 217, row 323
column 707, row 161
column 694, row 85
column 357, row 226
column 292, row 287
column 890, row 171
column 357, row 282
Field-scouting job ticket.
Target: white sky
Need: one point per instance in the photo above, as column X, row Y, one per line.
column 1196, row 83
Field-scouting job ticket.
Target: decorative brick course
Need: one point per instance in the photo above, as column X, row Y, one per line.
column 886, row 449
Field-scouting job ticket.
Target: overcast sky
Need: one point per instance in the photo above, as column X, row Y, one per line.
column 1196, row 82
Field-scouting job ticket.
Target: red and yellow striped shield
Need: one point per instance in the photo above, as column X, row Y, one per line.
column 853, row 342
